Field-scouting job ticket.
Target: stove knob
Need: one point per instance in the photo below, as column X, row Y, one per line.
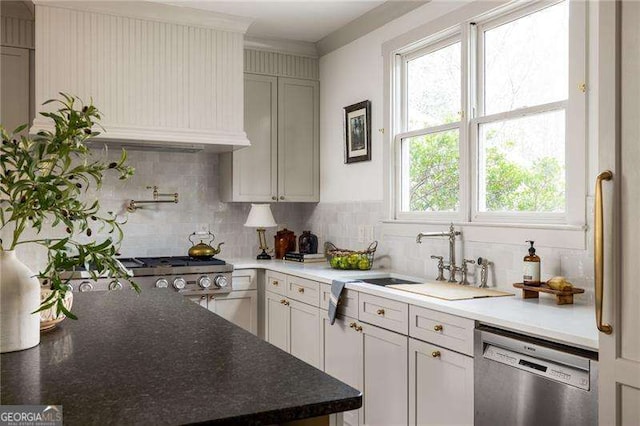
column 204, row 282
column 162, row 283
column 85, row 286
column 179, row 283
column 221, row 281
column 115, row 285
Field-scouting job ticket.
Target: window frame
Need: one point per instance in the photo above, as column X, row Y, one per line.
column 441, row 42
column 470, row 33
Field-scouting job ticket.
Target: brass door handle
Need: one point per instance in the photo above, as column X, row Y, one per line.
column 435, row 354
column 380, row 312
column 300, row 290
column 599, row 251
column 437, row 327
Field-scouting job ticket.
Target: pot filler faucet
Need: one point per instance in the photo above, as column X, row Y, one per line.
column 451, row 266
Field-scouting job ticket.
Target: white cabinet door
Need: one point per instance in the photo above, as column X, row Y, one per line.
column 619, row 151
column 276, row 321
column 304, row 334
column 238, row 307
column 342, row 352
column 255, row 169
column 440, row 386
column 14, row 92
column 298, row 140
column 385, row 377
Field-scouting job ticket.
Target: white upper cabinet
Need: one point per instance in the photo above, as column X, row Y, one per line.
column 159, row 74
column 282, row 117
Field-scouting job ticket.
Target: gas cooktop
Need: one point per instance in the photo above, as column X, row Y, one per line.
column 168, row 261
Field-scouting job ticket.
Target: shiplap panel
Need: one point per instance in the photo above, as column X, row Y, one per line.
column 280, row 64
column 16, row 32
column 144, row 75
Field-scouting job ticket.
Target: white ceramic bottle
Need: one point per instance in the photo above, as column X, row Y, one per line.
column 19, row 298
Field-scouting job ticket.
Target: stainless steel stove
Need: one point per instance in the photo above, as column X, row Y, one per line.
column 186, row 275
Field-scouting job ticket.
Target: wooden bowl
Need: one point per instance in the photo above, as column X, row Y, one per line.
column 48, row 317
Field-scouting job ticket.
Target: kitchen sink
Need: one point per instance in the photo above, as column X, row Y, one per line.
column 385, row 281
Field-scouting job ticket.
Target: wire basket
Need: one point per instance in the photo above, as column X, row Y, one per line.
column 351, row 259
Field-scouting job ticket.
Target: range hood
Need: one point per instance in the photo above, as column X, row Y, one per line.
column 163, row 77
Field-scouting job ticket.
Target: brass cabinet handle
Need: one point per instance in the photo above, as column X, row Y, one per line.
column 352, row 325
column 275, row 283
column 380, row 312
column 274, row 198
column 599, row 251
column 435, row 354
column 358, row 328
column 300, row 290
column 282, row 197
column 437, row 327
column 285, row 302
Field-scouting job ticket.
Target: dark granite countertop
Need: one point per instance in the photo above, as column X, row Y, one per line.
column 158, row 358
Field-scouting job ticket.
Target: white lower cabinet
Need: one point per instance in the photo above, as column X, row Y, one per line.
column 238, row 307
column 342, row 350
column 372, row 360
column 440, row 386
column 276, row 320
column 385, row 376
column 304, row 332
column 293, row 327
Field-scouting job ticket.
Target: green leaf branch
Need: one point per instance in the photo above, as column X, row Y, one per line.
column 43, row 185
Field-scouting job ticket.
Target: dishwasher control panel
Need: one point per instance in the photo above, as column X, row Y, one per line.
column 551, row 370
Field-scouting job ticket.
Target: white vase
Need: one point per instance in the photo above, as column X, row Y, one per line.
column 19, row 298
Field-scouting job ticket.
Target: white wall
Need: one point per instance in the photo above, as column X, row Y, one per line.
column 349, row 75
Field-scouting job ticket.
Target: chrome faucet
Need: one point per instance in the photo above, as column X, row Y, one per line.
column 452, row 234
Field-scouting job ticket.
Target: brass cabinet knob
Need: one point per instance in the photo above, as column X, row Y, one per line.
column 380, row 312
column 285, row 302
column 352, row 325
column 276, row 283
column 274, row 198
column 435, row 354
column 358, row 328
column 300, row 290
column 437, row 327
column 282, row 197
column 203, row 297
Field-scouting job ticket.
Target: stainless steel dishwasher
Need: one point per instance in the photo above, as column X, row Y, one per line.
column 520, row 380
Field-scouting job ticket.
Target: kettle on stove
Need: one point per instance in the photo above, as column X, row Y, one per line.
column 203, row 250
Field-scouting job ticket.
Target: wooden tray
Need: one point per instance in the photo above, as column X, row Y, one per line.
column 562, row 297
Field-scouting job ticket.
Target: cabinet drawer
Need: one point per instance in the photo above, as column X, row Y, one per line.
column 383, row 312
column 347, row 305
column 448, row 331
column 244, row 279
column 303, row 290
column 276, row 282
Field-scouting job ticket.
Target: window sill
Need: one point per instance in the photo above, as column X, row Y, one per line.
column 545, row 235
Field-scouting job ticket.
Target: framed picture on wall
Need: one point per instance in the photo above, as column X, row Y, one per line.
column 357, row 132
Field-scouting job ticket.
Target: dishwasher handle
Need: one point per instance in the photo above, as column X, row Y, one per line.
column 533, row 350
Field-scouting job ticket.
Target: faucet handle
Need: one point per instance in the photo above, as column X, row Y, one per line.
column 441, row 267
column 465, row 261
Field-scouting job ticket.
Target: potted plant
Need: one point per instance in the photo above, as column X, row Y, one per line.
column 43, row 201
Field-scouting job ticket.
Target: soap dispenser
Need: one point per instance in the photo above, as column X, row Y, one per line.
column 531, row 267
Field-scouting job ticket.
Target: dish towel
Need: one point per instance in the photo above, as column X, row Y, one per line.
column 337, row 286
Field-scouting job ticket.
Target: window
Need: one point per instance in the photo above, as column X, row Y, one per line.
column 484, row 121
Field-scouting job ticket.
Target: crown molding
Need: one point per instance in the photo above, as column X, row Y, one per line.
column 370, row 21
column 292, row 47
column 157, row 12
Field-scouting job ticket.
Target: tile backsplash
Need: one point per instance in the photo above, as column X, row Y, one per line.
column 339, row 223
column 163, row 229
